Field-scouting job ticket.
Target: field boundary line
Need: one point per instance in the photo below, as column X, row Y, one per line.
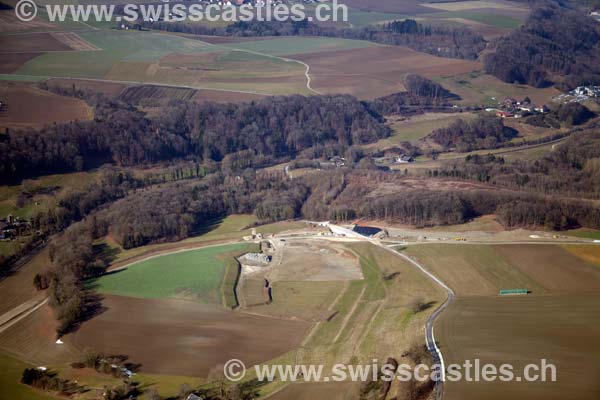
column 349, row 315
column 137, row 83
column 330, row 308
column 167, row 252
column 258, row 53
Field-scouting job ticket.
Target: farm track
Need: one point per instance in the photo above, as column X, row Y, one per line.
column 330, row 308
column 20, row 312
column 306, row 72
column 350, row 313
column 429, row 335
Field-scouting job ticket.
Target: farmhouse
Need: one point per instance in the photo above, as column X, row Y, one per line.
column 404, row 159
column 338, row 161
column 504, row 114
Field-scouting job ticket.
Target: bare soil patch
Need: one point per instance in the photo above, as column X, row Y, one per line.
column 553, row 267
column 74, row 41
column 376, row 71
column 33, row 42
column 185, row 338
column 10, row 23
column 33, row 339
column 316, row 261
column 26, row 106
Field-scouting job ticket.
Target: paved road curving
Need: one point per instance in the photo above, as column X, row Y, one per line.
column 429, row 335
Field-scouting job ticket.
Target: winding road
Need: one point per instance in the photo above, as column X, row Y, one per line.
column 429, row 334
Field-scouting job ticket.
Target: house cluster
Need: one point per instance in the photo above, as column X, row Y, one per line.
column 12, row 227
column 394, row 159
column 338, row 161
column 512, row 108
column 394, row 155
column 253, row 236
column 579, row 94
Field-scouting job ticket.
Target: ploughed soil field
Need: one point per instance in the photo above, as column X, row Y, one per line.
column 375, row 71
column 553, row 267
column 558, row 320
column 518, row 330
column 184, row 338
column 26, row 106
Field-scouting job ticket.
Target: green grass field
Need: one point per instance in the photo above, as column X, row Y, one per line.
column 359, row 18
column 472, row 270
column 229, row 282
column 132, row 56
column 44, row 191
column 585, row 233
column 421, row 126
column 10, row 386
column 297, row 45
column 495, row 20
column 194, row 274
column 117, row 46
column 482, row 89
column 232, row 227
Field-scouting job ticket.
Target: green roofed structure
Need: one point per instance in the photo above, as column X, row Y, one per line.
column 513, row 291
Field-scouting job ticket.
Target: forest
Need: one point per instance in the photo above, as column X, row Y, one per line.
column 481, row 133
column 238, row 136
column 555, row 46
column 569, row 114
column 253, row 134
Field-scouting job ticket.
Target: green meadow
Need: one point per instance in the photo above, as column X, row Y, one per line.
column 194, row 274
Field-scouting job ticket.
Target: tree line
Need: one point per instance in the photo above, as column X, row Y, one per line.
column 571, row 169
column 443, row 41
